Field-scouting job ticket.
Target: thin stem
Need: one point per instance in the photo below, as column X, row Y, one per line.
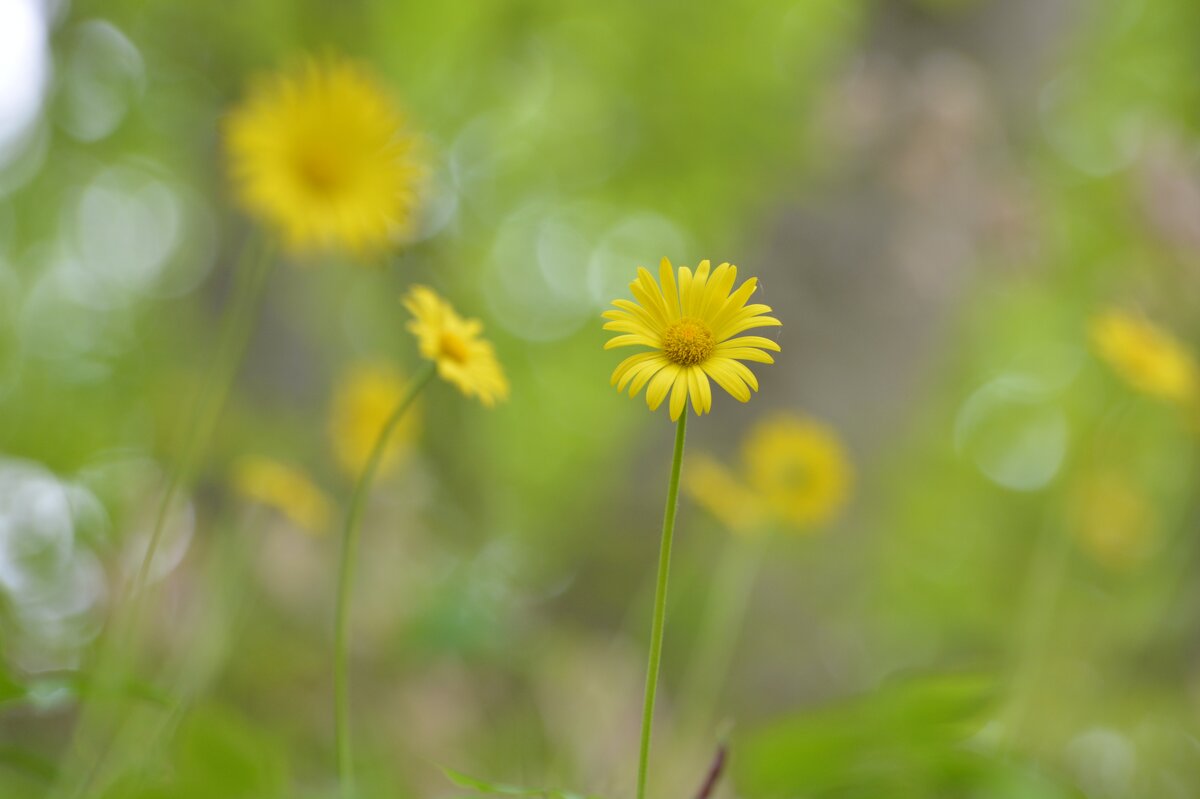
column 351, row 536
column 723, row 618
column 1047, row 572
column 117, row 647
column 660, row 604
column 234, row 335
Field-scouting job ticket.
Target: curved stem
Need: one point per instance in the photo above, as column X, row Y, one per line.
column 350, row 539
column 234, row 335
column 660, row 604
column 90, row 749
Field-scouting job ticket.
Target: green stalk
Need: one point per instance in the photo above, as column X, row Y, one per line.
column 1047, row 572
column 116, row 650
column 660, row 604
column 234, row 335
column 350, row 539
column 729, row 598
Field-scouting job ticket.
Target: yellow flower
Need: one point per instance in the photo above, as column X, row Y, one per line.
column 285, row 489
column 714, row 488
column 366, row 396
column 321, row 153
column 690, row 327
column 1110, row 519
column 799, row 467
column 454, row 344
column 1145, row 356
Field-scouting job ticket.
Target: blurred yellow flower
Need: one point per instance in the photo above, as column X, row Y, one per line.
column 462, row 356
column 1145, row 356
column 365, row 398
column 284, row 489
column 714, row 488
column 1111, row 519
column 797, row 474
column 799, row 467
column 321, row 153
column 690, row 325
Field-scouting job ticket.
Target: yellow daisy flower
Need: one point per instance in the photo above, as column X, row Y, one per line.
column 284, row 489
column 713, row 487
column 799, row 468
column 455, row 346
column 321, row 154
column 1145, row 356
column 692, row 326
column 366, row 396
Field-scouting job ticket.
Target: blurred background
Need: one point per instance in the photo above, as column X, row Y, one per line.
column 995, row 598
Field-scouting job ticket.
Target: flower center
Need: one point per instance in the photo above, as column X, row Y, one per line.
column 320, row 171
column 688, row 342
column 453, row 347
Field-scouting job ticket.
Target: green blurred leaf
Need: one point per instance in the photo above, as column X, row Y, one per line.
column 907, row 739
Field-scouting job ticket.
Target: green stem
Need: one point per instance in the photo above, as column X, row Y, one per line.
column 729, row 597
column 1047, row 572
column 660, row 605
column 90, row 748
column 234, row 335
column 351, row 535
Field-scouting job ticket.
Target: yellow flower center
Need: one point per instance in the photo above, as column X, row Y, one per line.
column 688, row 342
column 453, row 347
column 319, row 170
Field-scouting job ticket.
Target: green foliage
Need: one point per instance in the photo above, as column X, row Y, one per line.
column 939, row 196
column 917, row 737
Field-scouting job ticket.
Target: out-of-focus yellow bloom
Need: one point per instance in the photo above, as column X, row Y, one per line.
column 691, row 324
column 365, row 398
column 714, row 488
column 321, row 153
column 1111, row 519
column 797, row 474
column 799, row 467
column 284, row 489
column 463, row 357
column 1145, row 356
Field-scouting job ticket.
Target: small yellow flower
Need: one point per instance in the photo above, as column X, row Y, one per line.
column 366, row 396
column 1111, row 519
column 321, row 153
column 799, row 467
column 284, row 489
column 714, row 488
column 690, row 325
column 1145, row 356
column 463, row 357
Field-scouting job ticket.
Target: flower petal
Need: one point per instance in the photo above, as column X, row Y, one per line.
column 741, row 370
column 630, row 340
column 734, row 303
column 625, row 368
column 685, row 291
column 637, row 312
column 670, row 290
column 631, row 326
column 733, row 328
column 716, row 290
column 660, row 384
column 643, row 373
column 718, row 369
column 746, row 354
column 749, row 341
column 700, row 390
column 646, row 292
column 679, row 394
